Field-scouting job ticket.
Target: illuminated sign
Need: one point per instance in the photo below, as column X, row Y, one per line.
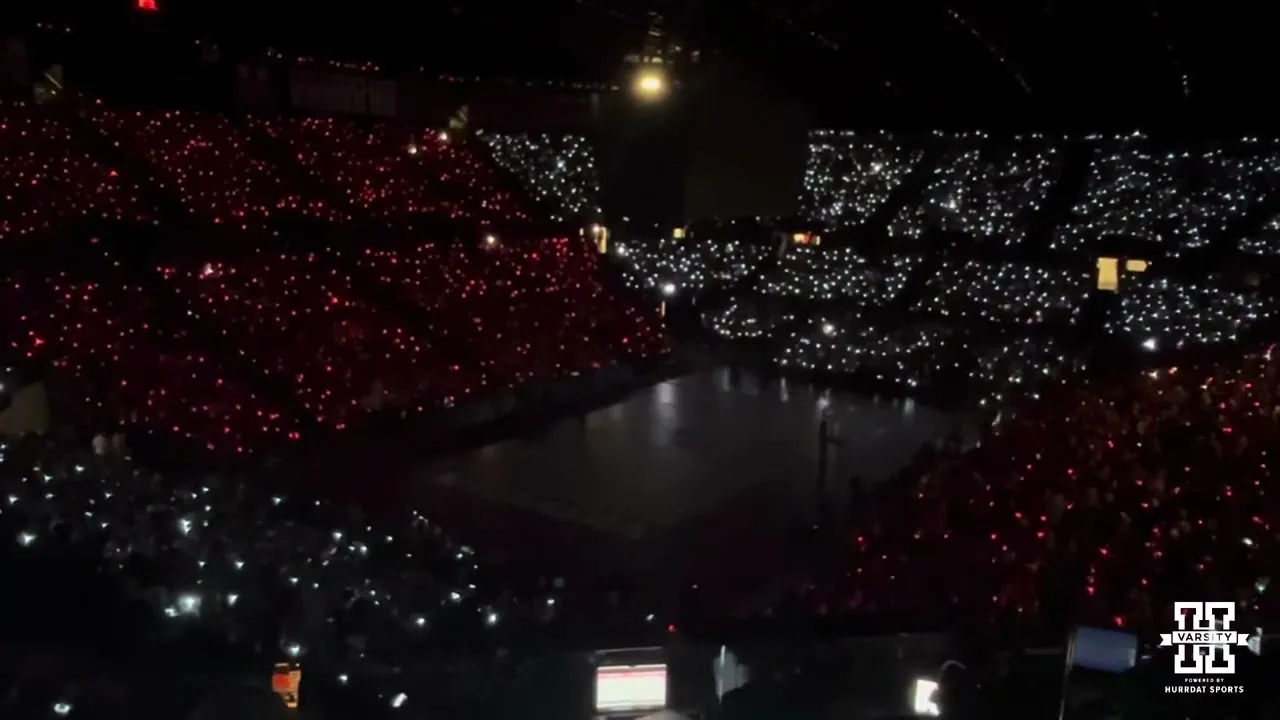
column 285, row 681
column 627, row 688
column 1109, row 271
column 1108, row 274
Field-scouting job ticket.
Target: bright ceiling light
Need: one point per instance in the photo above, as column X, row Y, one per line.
column 650, row 84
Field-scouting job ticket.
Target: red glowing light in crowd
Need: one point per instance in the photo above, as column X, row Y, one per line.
column 147, row 5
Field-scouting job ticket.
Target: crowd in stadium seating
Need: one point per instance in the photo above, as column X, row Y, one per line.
column 499, row 319
column 839, row 333
column 392, row 173
column 1165, row 312
column 558, row 170
column 50, row 175
column 849, row 176
column 1179, row 199
column 1100, row 506
column 839, row 274
column 500, row 316
column 100, row 338
column 928, row 358
column 671, row 265
column 1266, row 242
column 562, row 320
column 197, row 348
column 1003, row 293
column 1136, row 492
column 1087, row 501
column 987, row 194
column 209, row 164
column 279, row 576
column 997, row 188
column 58, row 168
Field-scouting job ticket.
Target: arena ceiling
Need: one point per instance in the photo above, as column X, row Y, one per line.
column 1076, row 61
column 936, row 60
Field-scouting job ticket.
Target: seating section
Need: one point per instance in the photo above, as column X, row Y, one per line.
column 240, row 352
column 1014, row 369
column 1178, row 200
column 1022, row 222
column 972, row 290
column 839, row 274
column 209, row 165
column 495, row 316
column 491, row 320
column 927, row 358
column 202, row 348
column 394, row 173
column 1086, row 499
column 49, row 176
column 990, row 194
column 1265, row 242
column 306, row 322
column 118, row 368
column 1178, row 197
column 1225, row 186
column 847, row 346
column 514, row 314
column 56, row 169
column 1160, row 312
column 685, row 266
column 231, row 559
column 850, row 176
column 1148, row 482
column 965, row 321
column 558, row 170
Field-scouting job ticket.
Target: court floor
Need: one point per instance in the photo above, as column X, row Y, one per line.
column 680, row 449
column 696, row 480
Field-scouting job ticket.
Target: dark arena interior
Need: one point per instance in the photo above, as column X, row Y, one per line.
column 638, row 359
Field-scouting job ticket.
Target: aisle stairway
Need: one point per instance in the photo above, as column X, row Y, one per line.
column 909, row 191
column 1066, row 192
column 109, row 150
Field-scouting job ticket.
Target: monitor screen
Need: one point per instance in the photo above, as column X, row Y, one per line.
column 624, row 688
